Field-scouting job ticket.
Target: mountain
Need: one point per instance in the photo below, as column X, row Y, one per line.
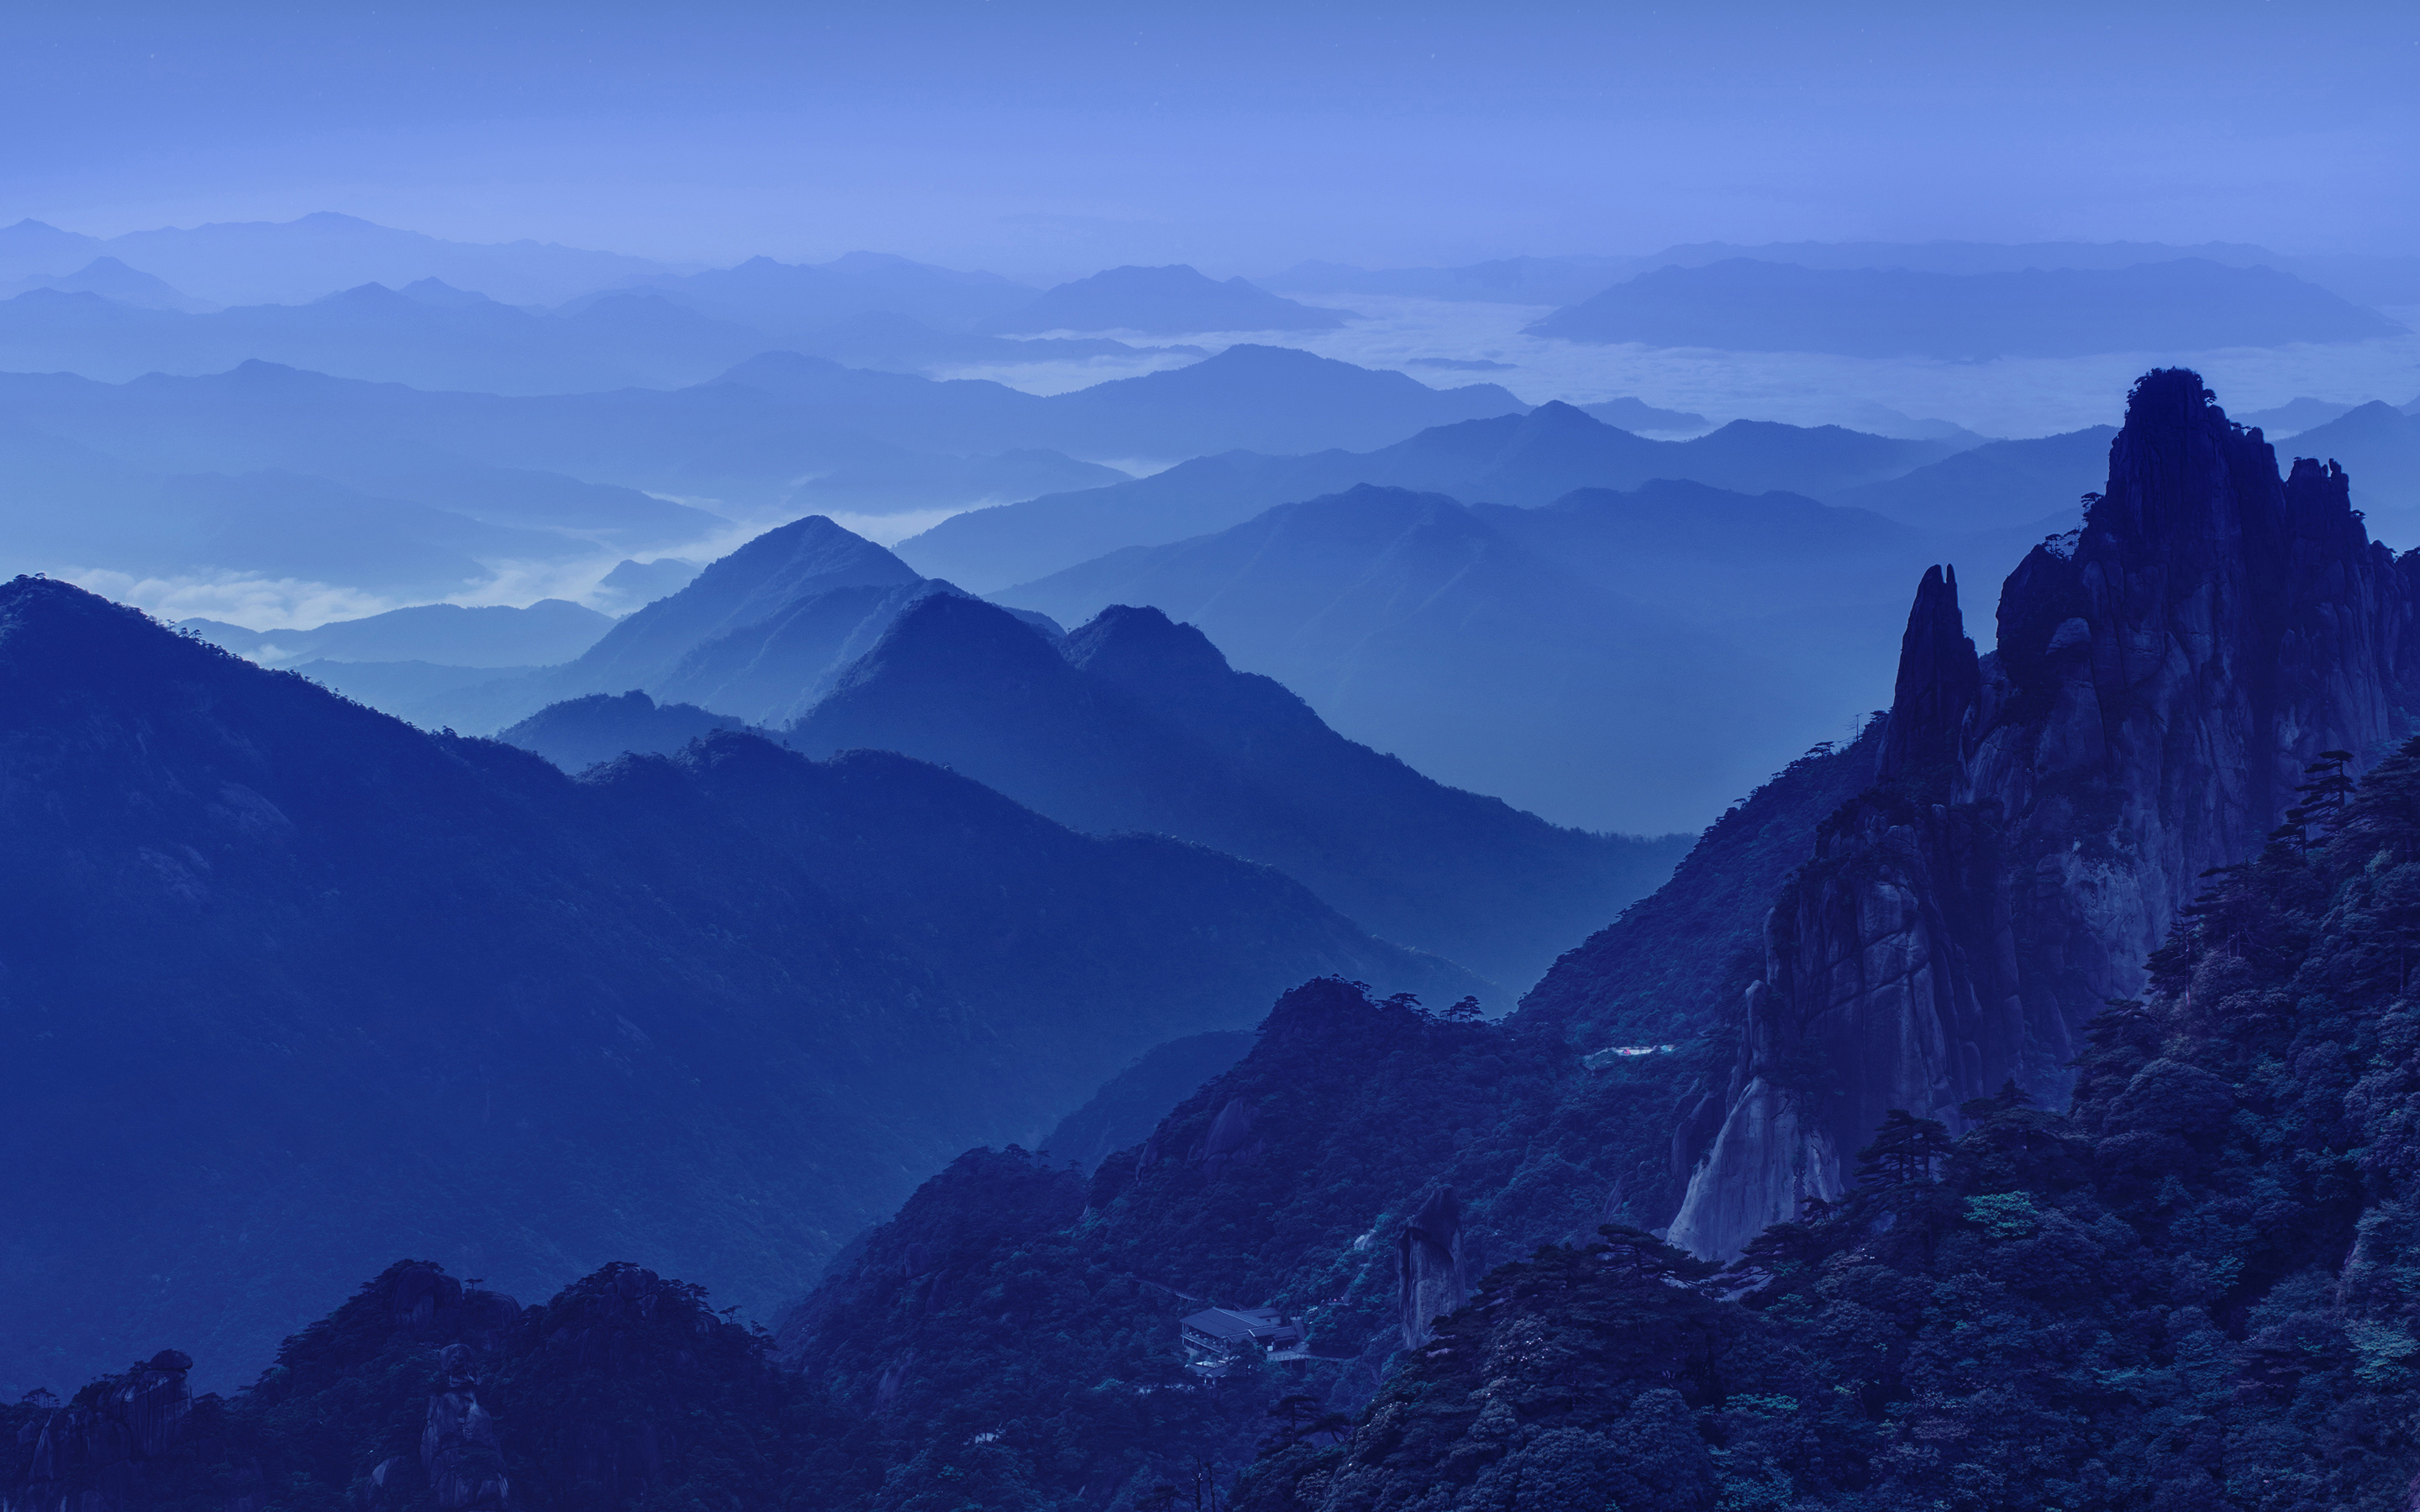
column 901, row 344
column 287, row 262
column 579, row 734
column 2379, row 446
column 2164, row 680
column 1501, row 280
column 30, row 247
column 1160, row 301
column 633, row 584
column 111, row 280
column 1137, row 723
column 1615, row 661
column 769, row 573
column 1514, row 458
column 549, row 630
column 2191, row 304
column 776, row 297
column 2215, row 1228
column 760, row 635
column 315, row 987
column 1130, row 1104
column 772, row 438
column 135, row 480
column 453, row 340
column 1996, row 485
column 2297, row 414
column 1627, row 413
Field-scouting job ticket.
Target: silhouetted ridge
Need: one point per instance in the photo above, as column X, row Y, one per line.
column 1136, row 723
column 556, row 1017
column 777, row 568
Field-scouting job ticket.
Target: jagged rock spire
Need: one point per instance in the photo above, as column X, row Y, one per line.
column 1939, row 681
column 2163, row 677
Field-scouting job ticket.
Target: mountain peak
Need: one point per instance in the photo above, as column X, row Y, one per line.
column 949, row 637
column 1129, row 645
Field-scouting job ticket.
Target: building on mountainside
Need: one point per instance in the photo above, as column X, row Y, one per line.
column 1215, row 1338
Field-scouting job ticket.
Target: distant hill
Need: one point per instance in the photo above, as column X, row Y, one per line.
column 633, row 584
column 418, row 335
column 2379, row 446
column 260, row 262
column 1417, row 627
column 1513, row 458
column 1131, row 1103
column 773, row 437
column 2297, row 414
column 2191, row 304
column 1996, row 485
column 111, row 280
column 318, row 989
column 1139, row 724
column 1165, row 301
column 1627, row 413
column 760, row 634
column 1622, row 661
column 578, row 733
column 781, row 297
column 548, row 631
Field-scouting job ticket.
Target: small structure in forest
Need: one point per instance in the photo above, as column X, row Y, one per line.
column 1215, row 1338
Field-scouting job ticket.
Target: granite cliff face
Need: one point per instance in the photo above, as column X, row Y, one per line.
column 2164, row 677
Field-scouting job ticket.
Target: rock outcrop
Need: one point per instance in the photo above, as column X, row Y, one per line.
column 91, row 1455
column 1431, row 1274
column 2162, row 680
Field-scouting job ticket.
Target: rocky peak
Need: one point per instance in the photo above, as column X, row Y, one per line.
column 2163, row 677
column 1939, row 681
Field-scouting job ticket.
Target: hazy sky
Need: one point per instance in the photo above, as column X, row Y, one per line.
column 1043, row 138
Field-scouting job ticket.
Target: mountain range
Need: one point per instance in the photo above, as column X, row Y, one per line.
column 591, row 470
column 1174, row 302
column 551, row 630
column 1135, row 723
column 1510, row 458
column 1622, row 661
column 2128, row 1225
column 1741, row 304
column 292, row 968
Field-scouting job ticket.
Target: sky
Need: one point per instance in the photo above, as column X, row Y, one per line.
column 1045, row 139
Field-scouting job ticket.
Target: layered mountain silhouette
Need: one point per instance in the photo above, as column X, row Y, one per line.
column 1172, row 301
column 1530, row 459
column 579, row 734
column 549, row 631
column 253, row 262
column 2189, row 305
column 1137, row 723
column 313, row 986
column 757, row 634
column 1616, row 660
column 774, row 436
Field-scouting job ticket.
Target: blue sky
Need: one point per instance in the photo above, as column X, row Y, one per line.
column 1043, row 138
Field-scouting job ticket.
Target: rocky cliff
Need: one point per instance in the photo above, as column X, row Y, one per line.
column 2164, row 678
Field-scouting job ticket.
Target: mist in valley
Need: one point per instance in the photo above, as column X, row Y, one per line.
column 1231, row 757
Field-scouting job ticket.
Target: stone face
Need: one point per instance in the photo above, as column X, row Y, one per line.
column 2163, row 679
column 1428, row 1256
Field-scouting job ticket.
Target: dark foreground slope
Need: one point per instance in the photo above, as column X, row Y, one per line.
column 291, row 986
column 2193, row 1289
column 1135, row 723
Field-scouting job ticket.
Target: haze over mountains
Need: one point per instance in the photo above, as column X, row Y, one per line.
column 745, row 981
column 885, row 758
